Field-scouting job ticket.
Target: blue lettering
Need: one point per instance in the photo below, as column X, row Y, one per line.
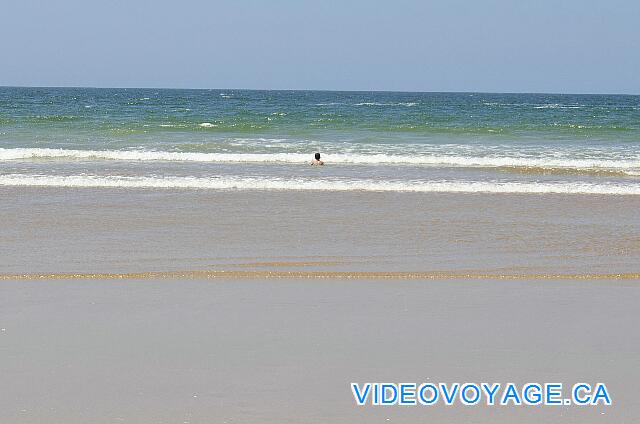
column 511, row 394
column 491, row 392
column 385, row 389
column 553, row 393
column 361, row 398
column 581, row 400
column 532, row 394
column 463, row 394
column 408, row 394
column 449, row 397
column 424, row 388
column 601, row 393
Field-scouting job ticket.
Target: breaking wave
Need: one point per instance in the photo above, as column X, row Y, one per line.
column 283, row 184
column 528, row 164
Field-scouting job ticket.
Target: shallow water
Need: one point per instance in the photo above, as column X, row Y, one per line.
column 107, row 230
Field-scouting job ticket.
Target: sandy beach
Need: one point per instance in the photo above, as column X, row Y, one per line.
column 246, row 307
column 285, row 350
column 64, row 230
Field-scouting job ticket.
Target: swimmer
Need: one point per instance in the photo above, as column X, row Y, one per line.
column 316, row 160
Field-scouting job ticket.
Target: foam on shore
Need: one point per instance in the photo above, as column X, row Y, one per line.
column 283, row 184
column 436, row 275
column 626, row 166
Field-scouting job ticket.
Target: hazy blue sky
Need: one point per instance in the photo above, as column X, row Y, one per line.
column 415, row 45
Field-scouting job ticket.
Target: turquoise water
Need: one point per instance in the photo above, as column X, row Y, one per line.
column 238, row 139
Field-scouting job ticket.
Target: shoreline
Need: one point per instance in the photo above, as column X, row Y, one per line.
column 53, row 231
column 334, row 275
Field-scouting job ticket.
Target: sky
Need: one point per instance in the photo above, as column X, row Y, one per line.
column 550, row 46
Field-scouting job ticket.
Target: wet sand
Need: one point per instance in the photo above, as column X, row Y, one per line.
column 48, row 230
column 285, row 350
column 253, row 307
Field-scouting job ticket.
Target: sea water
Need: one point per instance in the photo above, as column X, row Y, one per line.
column 369, row 141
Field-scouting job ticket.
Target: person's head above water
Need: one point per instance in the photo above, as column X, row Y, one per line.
column 316, row 160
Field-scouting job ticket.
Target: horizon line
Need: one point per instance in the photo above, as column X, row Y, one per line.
column 319, row 90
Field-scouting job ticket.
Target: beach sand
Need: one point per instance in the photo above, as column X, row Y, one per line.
column 274, row 348
column 49, row 230
column 285, row 350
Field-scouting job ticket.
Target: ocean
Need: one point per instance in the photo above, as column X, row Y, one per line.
column 370, row 141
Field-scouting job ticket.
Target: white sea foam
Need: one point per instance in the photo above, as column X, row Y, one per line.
column 246, row 183
column 556, row 106
column 408, row 104
column 537, row 105
column 630, row 166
